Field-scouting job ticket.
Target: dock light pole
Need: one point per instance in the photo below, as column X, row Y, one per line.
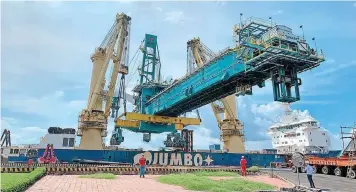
column 316, row 48
column 302, row 31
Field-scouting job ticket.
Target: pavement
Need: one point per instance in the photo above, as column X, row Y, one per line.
column 321, row 181
column 124, row 183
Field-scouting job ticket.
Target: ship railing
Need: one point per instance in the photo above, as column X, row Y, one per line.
column 258, row 21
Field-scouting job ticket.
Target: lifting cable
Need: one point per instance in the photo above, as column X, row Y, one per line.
column 108, row 36
column 135, row 71
column 122, row 87
column 135, row 63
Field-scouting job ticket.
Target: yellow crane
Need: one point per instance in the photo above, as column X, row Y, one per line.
column 113, row 51
column 225, row 110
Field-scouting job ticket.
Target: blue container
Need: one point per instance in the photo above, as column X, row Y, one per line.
column 162, row 157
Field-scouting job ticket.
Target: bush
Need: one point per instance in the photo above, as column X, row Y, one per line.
column 16, row 182
column 253, row 169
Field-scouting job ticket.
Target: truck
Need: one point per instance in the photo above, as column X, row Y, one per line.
column 343, row 165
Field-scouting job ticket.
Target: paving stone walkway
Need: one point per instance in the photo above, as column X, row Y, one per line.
column 125, row 183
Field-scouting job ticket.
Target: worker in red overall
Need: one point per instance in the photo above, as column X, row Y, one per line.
column 142, row 162
column 243, row 164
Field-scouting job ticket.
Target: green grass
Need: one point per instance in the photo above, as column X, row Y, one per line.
column 20, row 181
column 99, row 176
column 200, row 182
column 215, row 174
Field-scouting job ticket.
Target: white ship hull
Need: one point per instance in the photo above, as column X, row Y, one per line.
column 299, row 132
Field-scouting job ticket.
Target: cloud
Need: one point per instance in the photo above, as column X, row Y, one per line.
column 335, row 67
column 277, row 12
column 354, row 5
column 258, row 145
column 125, row 1
column 21, row 135
column 316, row 102
column 175, row 17
column 45, row 106
column 257, row 118
column 220, row 3
column 327, row 61
column 159, row 9
column 7, row 122
column 55, row 4
column 51, row 55
column 202, row 137
column 33, row 129
column 335, row 139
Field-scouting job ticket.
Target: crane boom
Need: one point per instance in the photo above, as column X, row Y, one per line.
column 93, row 120
column 230, row 126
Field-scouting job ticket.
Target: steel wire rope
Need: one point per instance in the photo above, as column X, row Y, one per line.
column 121, row 94
column 132, row 74
column 122, row 88
column 107, row 35
column 128, row 64
column 135, row 56
column 110, row 36
column 124, row 59
column 127, row 46
column 112, row 63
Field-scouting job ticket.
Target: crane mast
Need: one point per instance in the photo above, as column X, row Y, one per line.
column 93, row 120
column 231, row 128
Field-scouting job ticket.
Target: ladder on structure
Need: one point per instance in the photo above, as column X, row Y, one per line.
column 351, row 147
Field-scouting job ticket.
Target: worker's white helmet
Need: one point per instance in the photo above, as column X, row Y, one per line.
column 242, row 156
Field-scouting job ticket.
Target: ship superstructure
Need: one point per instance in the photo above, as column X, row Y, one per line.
column 297, row 132
column 57, row 137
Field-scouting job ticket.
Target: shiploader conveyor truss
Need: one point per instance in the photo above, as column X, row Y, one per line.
column 263, row 51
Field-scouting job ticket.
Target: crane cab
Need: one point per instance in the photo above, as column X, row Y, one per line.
column 123, row 69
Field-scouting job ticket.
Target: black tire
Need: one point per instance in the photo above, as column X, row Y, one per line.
column 338, row 171
column 325, row 170
column 294, row 169
column 302, row 170
column 352, row 174
column 315, row 169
